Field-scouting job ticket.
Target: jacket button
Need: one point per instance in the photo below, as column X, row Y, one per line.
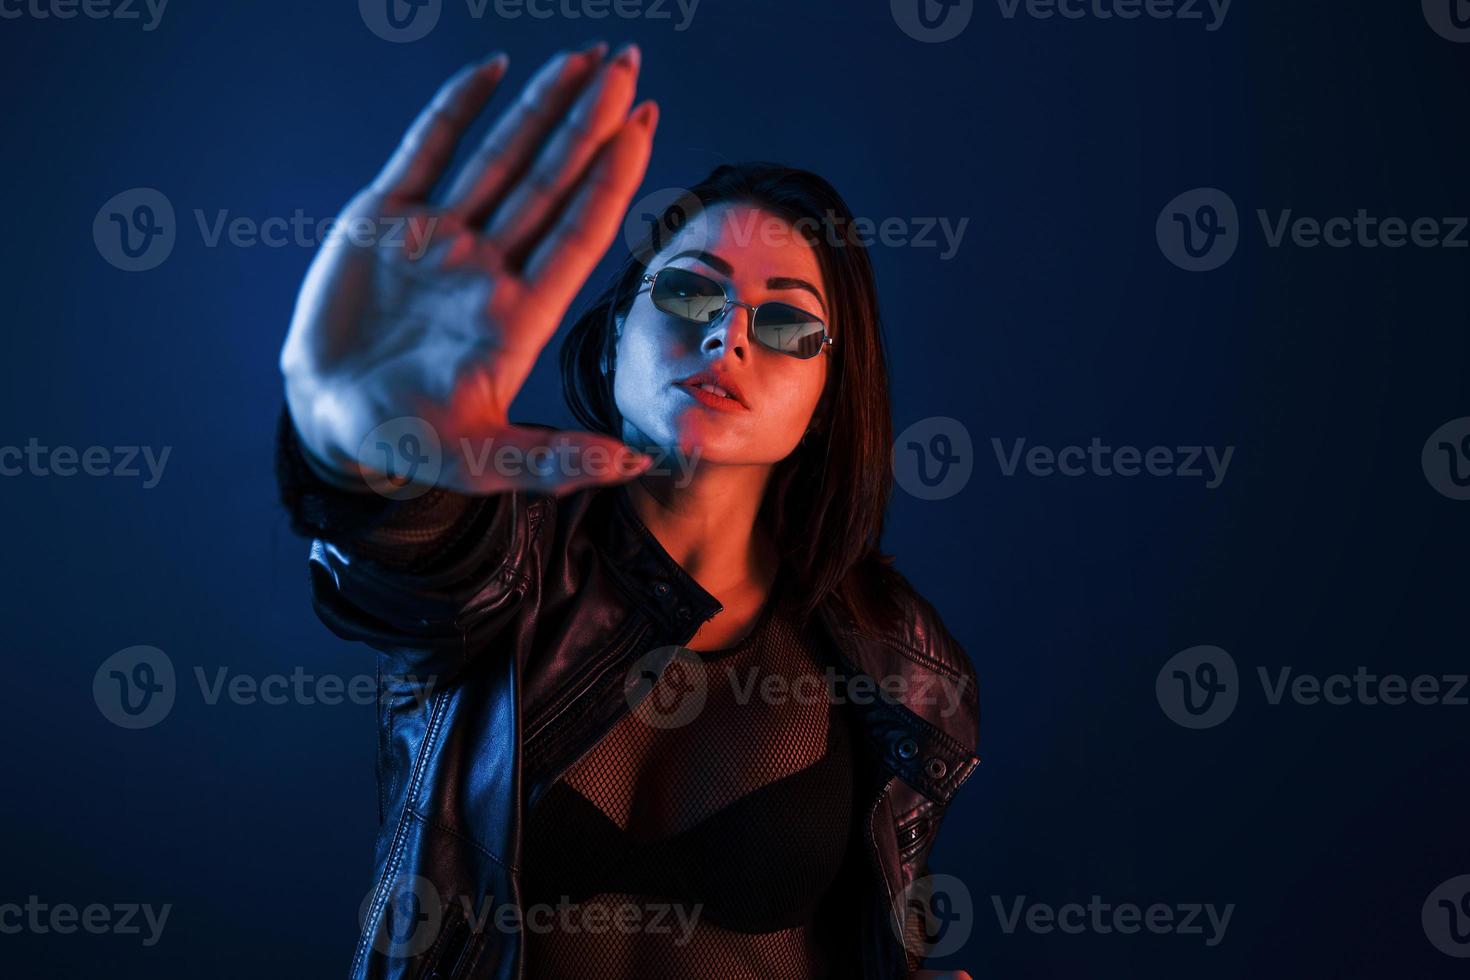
column 661, row 589
column 936, row 768
column 908, row 748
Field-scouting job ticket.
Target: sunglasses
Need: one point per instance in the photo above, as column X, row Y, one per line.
column 699, row 299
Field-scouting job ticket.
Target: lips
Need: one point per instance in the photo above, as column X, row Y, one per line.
column 711, row 389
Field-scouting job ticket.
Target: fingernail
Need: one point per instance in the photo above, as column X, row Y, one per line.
column 646, row 115
column 631, row 461
column 628, row 56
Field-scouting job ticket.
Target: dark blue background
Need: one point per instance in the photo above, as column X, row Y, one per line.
column 1325, row 548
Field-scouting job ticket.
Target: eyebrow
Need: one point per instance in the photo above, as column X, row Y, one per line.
column 726, row 269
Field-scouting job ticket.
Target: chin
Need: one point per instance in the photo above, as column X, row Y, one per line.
column 718, row 442
column 714, row 438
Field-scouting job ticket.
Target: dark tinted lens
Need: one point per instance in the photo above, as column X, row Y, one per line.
column 789, row 330
column 688, row 295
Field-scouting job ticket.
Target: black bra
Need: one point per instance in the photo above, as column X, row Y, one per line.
column 760, row 864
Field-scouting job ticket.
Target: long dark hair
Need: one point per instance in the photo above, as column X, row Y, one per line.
column 825, row 503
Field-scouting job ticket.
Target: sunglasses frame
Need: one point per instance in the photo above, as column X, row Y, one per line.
column 827, row 339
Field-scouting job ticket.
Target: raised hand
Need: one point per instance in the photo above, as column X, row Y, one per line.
column 443, row 319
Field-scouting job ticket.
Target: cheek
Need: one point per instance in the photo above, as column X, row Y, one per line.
column 789, row 402
column 648, row 345
column 643, row 351
column 631, row 384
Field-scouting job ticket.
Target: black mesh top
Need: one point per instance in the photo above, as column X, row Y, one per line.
column 708, row 843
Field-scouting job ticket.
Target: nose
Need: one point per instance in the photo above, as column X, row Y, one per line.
column 730, row 329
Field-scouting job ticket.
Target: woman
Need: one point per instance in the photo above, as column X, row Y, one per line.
column 600, row 753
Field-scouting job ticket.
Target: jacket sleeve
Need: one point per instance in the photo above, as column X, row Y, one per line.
column 425, row 580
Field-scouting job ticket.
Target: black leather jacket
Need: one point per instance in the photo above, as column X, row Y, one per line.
column 502, row 658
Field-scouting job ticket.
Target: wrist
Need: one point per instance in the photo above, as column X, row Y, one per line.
column 336, row 469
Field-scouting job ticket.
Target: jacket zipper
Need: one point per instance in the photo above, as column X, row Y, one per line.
column 400, row 831
column 596, row 675
column 628, row 633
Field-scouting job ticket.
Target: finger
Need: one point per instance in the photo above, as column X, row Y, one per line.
column 510, row 146
column 571, row 250
column 597, row 116
column 429, row 143
column 541, row 460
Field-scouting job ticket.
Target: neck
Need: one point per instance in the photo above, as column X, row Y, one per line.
column 709, row 526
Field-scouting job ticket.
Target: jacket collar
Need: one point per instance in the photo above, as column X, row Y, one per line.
column 917, row 751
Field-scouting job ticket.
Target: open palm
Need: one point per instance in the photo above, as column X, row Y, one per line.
column 438, row 310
